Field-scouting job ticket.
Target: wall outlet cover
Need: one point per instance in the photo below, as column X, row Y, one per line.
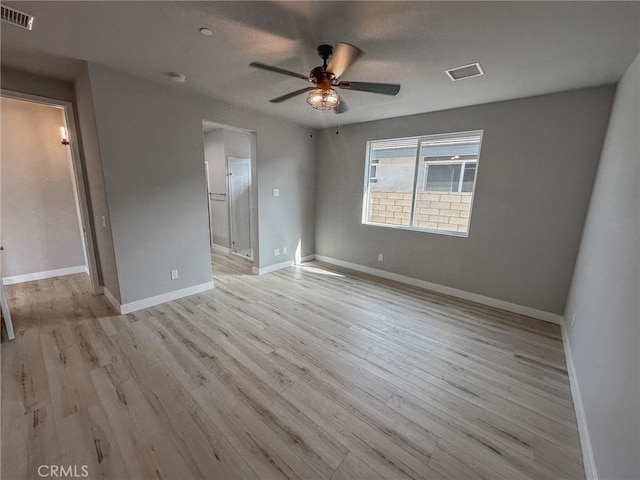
column 276, row 252
column 174, row 274
column 284, row 250
column 380, row 257
column 276, row 192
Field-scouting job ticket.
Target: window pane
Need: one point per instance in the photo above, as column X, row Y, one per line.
column 442, row 178
column 390, row 181
column 445, row 177
column 469, row 177
column 443, row 202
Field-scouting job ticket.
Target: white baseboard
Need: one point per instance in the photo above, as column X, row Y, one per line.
column 158, row 299
column 280, row 266
column 454, row 292
column 59, row 272
column 220, row 248
column 272, row 268
column 590, row 470
column 112, row 300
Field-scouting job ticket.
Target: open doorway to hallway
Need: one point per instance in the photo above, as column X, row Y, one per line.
column 230, row 167
column 42, row 199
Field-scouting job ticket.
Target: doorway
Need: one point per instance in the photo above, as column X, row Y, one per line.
column 230, row 168
column 44, row 216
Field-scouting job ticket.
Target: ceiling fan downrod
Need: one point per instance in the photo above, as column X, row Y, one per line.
column 325, row 51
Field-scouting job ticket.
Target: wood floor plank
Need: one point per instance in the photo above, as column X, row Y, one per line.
column 352, row 468
column 376, row 448
column 266, row 453
column 147, row 452
column 89, row 441
column 29, row 441
column 310, row 372
column 24, row 379
column 305, row 438
column 70, row 386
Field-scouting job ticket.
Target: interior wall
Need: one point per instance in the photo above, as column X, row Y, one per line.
column 536, row 169
column 605, row 340
column 150, row 138
column 18, row 81
column 237, row 144
column 214, row 153
column 94, row 179
column 40, row 219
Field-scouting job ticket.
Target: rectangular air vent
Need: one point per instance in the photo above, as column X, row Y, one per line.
column 16, row 17
column 465, row 71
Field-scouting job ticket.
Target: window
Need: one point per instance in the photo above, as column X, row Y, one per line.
column 373, row 169
column 422, row 183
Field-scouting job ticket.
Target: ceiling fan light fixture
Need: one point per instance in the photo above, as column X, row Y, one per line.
column 323, row 98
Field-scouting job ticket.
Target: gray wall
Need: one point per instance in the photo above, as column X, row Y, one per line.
column 237, row 144
column 605, row 340
column 40, row 223
column 150, row 138
column 214, row 153
column 24, row 82
column 92, row 163
column 536, row 169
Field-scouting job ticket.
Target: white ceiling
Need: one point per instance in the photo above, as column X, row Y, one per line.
column 526, row 48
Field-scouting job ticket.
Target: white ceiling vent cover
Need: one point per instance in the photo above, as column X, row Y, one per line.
column 16, row 17
column 465, row 71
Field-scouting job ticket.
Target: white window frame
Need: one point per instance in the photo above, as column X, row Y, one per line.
column 372, row 165
column 420, row 139
column 464, row 163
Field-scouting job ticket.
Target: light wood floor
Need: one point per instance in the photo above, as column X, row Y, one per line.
column 309, row 372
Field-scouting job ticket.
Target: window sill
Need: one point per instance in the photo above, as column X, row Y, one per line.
column 449, row 233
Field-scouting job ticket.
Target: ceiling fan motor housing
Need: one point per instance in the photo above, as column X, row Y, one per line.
column 321, row 77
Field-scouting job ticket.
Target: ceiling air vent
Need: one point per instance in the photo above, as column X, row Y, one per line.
column 465, row 71
column 16, row 17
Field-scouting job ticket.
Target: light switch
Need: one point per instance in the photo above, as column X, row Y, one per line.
column 276, row 192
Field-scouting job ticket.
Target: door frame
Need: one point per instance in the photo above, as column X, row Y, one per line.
column 240, row 161
column 77, row 177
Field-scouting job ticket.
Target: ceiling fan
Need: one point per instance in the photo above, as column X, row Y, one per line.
column 323, row 96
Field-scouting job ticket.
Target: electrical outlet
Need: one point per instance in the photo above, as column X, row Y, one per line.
column 276, row 192
column 380, row 257
column 276, row 252
column 573, row 321
column 284, row 250
column 174, row 274
column 104, row 221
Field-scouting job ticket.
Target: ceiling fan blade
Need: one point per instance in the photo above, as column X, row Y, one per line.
column 383, row 88
column 342, row 107
column 291, row 95
column 262, row 66
column 342, row 58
